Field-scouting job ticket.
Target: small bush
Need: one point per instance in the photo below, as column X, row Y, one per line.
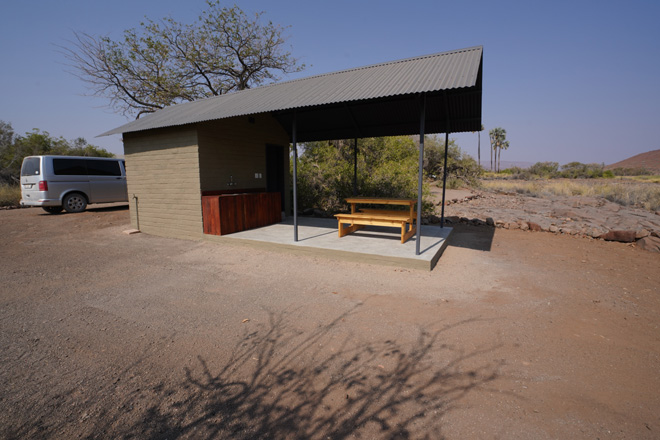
column 577, row 170
column 10, row 195
column 545, row 170
column 620, row 171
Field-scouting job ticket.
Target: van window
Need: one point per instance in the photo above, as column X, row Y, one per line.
column 31, row 166
column 103, row 168
column 69, row 167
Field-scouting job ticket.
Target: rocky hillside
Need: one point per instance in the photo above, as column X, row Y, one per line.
column 649, row 160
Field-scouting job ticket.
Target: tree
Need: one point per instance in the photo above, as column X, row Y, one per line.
column 497, row 142
column 479, row 145
column 167, row 62
column 387, row 167
column 503, row 146
column 462, row 169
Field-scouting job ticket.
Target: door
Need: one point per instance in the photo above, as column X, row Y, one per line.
column 275, row 172
column 107, row 181
column 31, row 175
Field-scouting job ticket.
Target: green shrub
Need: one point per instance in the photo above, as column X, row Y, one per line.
column 461, row 167
column 387, row 167
column 544, row 170
column 577, row 170
column 620, row 171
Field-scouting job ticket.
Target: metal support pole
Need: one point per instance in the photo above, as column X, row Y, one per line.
column 355, row 168
column 444, row 182
column 422, row 118
column 295, row 179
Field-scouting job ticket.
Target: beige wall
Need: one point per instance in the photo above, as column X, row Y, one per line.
column 162, row 168
column 237, row 147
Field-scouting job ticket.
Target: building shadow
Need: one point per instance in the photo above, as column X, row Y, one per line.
column 283, row 383
column 107, row 208
column 466, row 236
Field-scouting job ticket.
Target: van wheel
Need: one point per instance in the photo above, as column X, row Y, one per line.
column 74, row 202
column 52, row 209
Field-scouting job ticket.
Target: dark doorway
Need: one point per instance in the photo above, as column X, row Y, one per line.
column 275, row 170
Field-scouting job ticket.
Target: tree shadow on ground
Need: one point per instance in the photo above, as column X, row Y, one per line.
column 283, row 383
column 479, row 238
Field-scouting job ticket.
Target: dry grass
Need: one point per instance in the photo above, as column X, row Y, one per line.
column 624, row 192
column 10, row 195
column 650, row 179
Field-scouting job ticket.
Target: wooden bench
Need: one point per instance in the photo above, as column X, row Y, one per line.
column 357, row 219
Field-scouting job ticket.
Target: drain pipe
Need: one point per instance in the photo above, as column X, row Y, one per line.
column 137, row 213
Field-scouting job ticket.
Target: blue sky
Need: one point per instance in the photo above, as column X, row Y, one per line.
column 568, row 80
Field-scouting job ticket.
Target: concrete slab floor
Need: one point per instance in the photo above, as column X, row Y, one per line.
column 373, row 244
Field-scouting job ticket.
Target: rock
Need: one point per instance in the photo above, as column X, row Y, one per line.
column 564, row 213
column 641, row 233
column 523, row 225
column 534, row 227
column 622, row 236
column 465, row 220
column 452, row 219
column 594, row 233
column 490, row 221
column 553, row 228
column 651, row 244
column 513, row 225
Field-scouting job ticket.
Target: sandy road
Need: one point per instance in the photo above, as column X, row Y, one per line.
column 513, row 335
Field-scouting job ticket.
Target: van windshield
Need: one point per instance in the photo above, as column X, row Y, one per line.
column 31, row 166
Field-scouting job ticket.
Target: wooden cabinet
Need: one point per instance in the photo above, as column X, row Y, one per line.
column 228, row 213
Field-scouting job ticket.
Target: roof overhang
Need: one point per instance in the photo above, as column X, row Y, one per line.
column 446, row 112
column 379, row 100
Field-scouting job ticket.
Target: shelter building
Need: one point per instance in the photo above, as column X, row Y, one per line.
column 242, row 142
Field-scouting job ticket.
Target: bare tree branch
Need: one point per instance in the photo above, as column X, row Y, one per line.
column 166, row 62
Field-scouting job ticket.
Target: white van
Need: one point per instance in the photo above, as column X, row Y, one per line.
column 72, row 182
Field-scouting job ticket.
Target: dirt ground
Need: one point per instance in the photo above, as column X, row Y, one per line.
column 514, row 335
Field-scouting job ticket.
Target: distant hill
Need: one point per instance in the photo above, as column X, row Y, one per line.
column 649, row 160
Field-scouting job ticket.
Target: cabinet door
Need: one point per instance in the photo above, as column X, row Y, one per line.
column 232, row 214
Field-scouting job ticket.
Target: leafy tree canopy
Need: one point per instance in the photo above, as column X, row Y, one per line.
column 462, row 169
column 167, row 62
column 387, row 167
column 14, row 148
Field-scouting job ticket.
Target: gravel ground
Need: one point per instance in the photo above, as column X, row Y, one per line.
column 515, row 334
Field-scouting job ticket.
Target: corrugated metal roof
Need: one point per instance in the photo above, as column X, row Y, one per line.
column 439, row 72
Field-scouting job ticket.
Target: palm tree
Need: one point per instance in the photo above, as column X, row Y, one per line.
column 497, row 140
column 503, row 146
column 479, row 144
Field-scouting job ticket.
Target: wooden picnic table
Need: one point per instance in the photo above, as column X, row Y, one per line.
column 358, row 218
